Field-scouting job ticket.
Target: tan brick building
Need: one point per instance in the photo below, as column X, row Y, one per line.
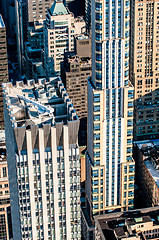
column 144, row 67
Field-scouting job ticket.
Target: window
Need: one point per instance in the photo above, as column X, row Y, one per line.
column 4, row 172
column 97, row 136
column 97, row 108
column 97, row 126
column 97, row 117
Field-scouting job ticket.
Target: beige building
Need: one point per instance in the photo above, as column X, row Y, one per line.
column 5, row 218
column 59, row 31
column 133, row 225
column 144, row 67
column 37, row 9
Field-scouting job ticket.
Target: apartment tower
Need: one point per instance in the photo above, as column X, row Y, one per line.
column 144, row 67
column 43, row 160
column 3, row 66
column 109, row 162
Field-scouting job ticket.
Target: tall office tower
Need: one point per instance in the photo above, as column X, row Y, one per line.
column 59, row 32
column 5, row 213
column 3, row 66
column 75, row 70
column 110, row 166
column 43, row 160
column 144, row 66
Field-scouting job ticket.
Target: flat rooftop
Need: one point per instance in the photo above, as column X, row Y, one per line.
column 2, row 25
column 116, row 225
column 36, row 103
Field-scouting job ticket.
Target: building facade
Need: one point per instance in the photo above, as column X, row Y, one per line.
column 33, row 50
column 146, row 155
column 144, row 67
column 59, row 32
column 75, row 70
column 3, row 66
column 88, row 14
column 136, row 225
column 43, row 160
column 109, row 162
column 5, row 212
column 38, row 9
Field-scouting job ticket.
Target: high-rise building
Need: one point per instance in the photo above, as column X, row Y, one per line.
column 75, row 70
column 5, row 212
column 3, row 66
column 59, row 32
column 109, row 162
column 43, row 160
column 144, row 66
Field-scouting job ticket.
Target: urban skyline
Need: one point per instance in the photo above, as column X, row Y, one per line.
column 70, row 77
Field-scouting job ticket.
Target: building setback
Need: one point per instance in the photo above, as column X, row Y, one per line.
column 3, row 66
column 144, row 67
column 43, row 160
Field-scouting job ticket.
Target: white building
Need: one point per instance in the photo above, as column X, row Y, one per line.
column 60, row 28
column 110, row 166
column 43, row 161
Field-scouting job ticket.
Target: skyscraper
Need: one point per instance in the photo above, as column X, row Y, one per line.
column 109, row 163
column 144, row 66
column 59, row 32
column 43, row 160
column 3, row 66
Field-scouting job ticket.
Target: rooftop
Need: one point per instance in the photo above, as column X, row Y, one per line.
column 58, row 8
column 123, row 224
column 36, row 103
column 150, row 152
column 2, row 25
